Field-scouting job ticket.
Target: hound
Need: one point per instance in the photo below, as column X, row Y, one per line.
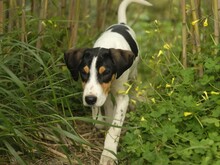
column 104, row 69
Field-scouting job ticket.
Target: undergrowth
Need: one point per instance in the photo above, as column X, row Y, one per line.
column 176, row 116
column 37, row 105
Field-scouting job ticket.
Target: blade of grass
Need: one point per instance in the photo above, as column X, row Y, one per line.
column 14, row 153
column 19, row 83
column 71, row 136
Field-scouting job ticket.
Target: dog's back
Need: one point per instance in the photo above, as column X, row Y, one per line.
column 113, row 36
column 121, row 36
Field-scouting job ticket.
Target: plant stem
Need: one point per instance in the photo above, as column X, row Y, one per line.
column 184, row 34
column 23, row 33
column 216, row 24
column 74, row 15
column 196, row 26
column 1, row 17
column 101, row 13
column 23, row 30
column 43, row 15
column 196, row 34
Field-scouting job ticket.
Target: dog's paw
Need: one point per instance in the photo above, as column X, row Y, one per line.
column 108, row 158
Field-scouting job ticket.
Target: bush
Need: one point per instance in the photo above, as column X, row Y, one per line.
column 177, row 116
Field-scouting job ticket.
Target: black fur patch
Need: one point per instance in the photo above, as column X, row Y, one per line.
column 103, row 59
column 123, row 30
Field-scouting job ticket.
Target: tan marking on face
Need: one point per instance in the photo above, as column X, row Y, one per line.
column 86, row 69
column 107, row 86
column 101, row 69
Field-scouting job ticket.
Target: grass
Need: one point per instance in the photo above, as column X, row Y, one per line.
column 176, row 120
column 35, row 110
column 42, row 120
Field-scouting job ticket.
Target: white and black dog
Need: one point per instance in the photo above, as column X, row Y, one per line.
column 104, row 69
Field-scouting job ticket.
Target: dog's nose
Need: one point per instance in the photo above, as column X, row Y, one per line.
column 90, row 100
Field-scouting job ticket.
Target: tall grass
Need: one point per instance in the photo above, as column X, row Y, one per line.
column 35, row 115
column 39, row 102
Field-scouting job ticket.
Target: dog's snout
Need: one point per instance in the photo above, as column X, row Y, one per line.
column 90, row 100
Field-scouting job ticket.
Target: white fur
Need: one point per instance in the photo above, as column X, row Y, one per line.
column 115, row 114
column 123, row 6
column 92, row 87
column 113, row 40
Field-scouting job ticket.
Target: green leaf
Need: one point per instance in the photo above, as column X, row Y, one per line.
column 211, row 121
column 206, row 79
column 187, row 75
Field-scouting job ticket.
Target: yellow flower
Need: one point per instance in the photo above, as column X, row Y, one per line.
column 143, row 119
column 167, row 46
column 121, row 92
column 128, row 89
column 215, row 93
column 160, row 53
column 140, row 93
column 168, row 85
column 50, row 21
column 44, row 24
column 159, row 86
column 171, row 92
column 153, row 100
column 205, row 23
column 172, row 80
column 187, row 114
column 133, row 101
column 206, row 97
column 194, row 22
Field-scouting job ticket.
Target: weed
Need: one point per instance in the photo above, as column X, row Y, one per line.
column 178, row 121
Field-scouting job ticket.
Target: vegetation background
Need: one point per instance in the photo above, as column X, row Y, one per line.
column 175, row 102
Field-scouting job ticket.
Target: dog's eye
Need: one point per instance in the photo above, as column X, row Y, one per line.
column 106, row 72
column 84, row 76
column 84, row 73
column 105, row 76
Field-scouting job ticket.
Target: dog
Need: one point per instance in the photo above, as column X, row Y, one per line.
column 104, row 69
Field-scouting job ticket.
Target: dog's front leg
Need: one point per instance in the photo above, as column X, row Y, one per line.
column 97, row 115
column 112, row 138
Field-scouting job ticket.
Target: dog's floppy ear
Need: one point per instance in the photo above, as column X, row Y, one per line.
column 122, row 59
column 72, row 59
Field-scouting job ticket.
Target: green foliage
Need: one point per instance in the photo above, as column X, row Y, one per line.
column 178, row 120
column 179, row 127
column 35, row 111
column 177, row 116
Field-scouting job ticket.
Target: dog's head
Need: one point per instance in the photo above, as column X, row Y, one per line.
column 98, row 68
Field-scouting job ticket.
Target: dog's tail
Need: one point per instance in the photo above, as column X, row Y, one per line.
column 123, row 6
